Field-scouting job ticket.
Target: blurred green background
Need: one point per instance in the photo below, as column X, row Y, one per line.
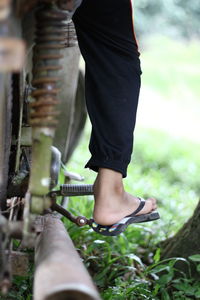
column 176, row 18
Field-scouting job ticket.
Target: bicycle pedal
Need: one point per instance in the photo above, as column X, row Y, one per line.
column 76, row 189
column 68, row 190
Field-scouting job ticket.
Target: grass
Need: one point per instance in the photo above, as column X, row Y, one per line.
column 169, row 171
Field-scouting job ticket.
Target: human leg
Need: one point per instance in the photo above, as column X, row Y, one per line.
column 108, row 45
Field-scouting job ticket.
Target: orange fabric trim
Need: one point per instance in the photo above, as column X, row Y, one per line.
column 132, row 13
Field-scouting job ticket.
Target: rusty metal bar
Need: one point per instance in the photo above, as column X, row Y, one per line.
column 60, row 273
column 15, row 229
column 78, row 220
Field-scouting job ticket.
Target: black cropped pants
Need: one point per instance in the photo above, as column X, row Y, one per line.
column 108, row 45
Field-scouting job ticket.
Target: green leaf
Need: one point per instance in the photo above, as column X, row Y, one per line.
column 157, row 256
column 160, row 268
column 156, row 289
column 136, row 258
column 195, row 257
column 197, row 294
column 166, row 278
column 103, row 274
column 174, row 260
column 186, row 287
column 130, row 290
column 198, row 268
column 170, row 261
column 181, row 286
column 165, row 295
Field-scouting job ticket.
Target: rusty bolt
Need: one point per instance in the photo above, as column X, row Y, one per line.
column 81, row 221
column 53, row 195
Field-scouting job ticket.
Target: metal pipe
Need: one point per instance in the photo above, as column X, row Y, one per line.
column 15, row 229
column 60, row 273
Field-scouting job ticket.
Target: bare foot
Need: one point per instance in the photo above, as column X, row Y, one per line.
column 112, row 203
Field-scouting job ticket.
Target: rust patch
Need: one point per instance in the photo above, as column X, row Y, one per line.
column 19, row 263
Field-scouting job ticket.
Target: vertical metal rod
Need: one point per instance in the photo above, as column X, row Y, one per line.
column 60, row 273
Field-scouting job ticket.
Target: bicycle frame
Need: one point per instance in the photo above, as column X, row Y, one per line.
column 46, row 94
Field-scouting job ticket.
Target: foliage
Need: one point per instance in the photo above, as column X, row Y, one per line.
column 129, row 266
column 171, row 68
column 119, row 272
column 21, row 287
column 174, row 17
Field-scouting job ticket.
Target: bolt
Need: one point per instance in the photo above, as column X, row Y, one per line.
column 81, row 221
column 53, row 195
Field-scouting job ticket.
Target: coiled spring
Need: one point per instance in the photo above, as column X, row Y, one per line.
column 54, row 33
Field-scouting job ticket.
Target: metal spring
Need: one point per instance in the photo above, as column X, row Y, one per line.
column 54, row 33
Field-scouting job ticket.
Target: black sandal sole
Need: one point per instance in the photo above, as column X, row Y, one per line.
column 106, row 231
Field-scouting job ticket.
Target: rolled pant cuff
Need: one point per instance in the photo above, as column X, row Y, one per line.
column 115, row 165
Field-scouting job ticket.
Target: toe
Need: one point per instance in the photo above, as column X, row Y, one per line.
column 153, row 203
column 150, row 205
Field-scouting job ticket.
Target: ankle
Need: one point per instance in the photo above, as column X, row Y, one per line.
column 109, row 173
column 109, row 180
column 105, row 190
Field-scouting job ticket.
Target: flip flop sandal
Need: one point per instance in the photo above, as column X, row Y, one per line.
column 120, row 226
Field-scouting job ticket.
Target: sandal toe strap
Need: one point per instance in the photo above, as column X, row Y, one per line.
column 140, row 207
